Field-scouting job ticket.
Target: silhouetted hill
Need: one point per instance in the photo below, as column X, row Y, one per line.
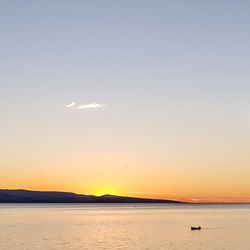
column 27, row 196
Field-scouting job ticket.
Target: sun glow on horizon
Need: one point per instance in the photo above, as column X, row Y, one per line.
column 106, row 190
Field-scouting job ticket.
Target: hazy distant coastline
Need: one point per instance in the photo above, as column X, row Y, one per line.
column 28, row 196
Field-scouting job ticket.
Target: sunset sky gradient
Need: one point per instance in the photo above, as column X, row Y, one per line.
column 172, row 81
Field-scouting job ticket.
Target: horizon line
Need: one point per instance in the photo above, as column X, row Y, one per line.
column 187, row 201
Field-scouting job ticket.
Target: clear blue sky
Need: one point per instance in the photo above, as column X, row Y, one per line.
column 173, row 74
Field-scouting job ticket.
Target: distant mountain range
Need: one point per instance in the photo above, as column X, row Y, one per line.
column 27, row 196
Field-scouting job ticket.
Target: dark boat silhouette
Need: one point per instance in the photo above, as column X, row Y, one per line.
column 195, row 228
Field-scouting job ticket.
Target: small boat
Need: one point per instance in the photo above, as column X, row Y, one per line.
column 195, row 228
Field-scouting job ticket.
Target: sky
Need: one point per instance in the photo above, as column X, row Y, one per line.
column 137, row 97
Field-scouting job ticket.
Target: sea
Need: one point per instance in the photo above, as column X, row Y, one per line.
column 124, row 226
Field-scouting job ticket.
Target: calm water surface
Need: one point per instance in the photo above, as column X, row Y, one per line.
column 128, row 226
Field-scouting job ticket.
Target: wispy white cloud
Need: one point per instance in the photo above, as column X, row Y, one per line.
column 72, row 104
column 92, row 106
